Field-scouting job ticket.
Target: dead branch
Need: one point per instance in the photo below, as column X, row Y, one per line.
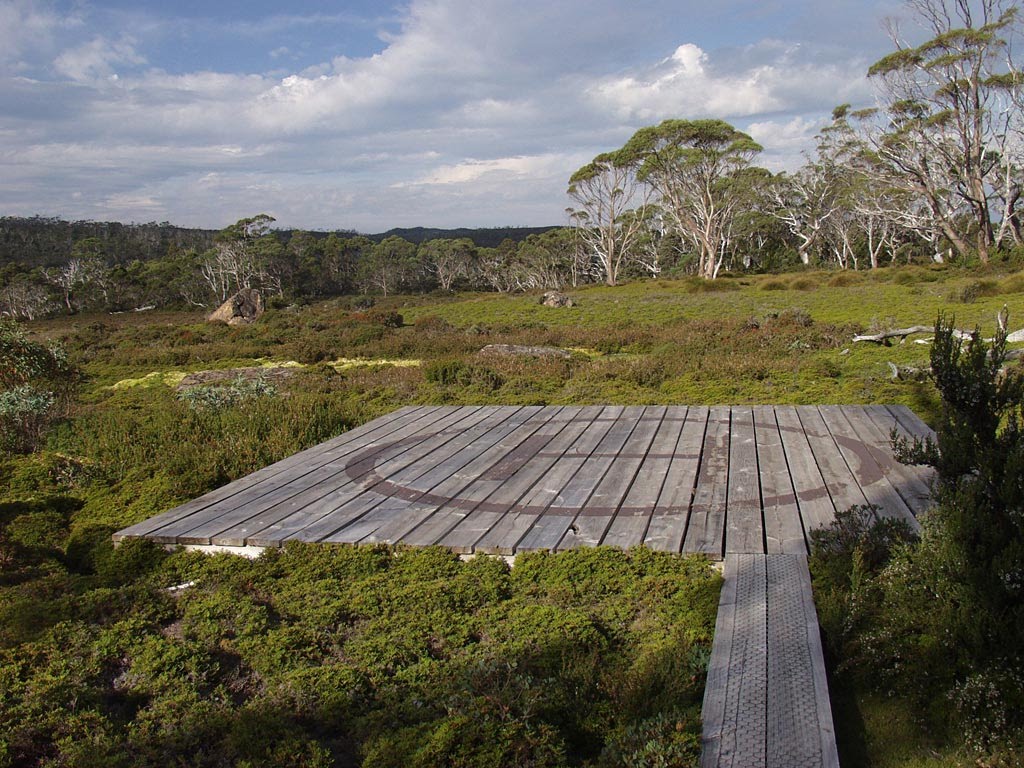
column 900, row 333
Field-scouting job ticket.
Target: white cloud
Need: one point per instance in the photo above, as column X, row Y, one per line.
column 28, row 28
column 786, row 141
column 471, row 170
column 472, row 112
column 688, row 84
column 97, row 59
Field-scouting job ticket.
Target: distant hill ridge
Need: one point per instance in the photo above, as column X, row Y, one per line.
column 48, row 241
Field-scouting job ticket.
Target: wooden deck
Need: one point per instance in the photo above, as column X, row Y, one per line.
column 506, row 479
column 744, row 484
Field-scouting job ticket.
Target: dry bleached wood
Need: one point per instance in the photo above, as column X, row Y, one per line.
column 900, row 333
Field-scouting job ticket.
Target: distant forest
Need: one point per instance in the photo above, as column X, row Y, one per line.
column 48, row 242
column 50, row 266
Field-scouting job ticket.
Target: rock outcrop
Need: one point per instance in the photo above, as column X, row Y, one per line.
column 243, row 308
column 556, row 299
column 524, row 351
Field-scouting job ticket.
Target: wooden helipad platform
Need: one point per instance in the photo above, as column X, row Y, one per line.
column 720, row 480
column 742, row 483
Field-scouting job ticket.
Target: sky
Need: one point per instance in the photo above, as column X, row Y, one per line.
column 371, row 115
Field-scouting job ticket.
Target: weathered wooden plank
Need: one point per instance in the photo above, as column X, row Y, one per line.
column 743, row 738
column 375, row 427
column 230, row 522
column 667, row 528
column 491, row 468
column 812, row 496
column 910, row 422
column 445, row 481
column 744, row 526
column 416, row 481
column 913, row 483
column 825, row 723
column 500, row 497
column 766, row 699
column 705, row 532
column 634, row 516
column 842, row 485
column 782, row 528
column 582, row 468
column 273, row 517
column 590, row 525
column 866, row 468
column 717, row 683
column 532, row 489
column 883, row 417
column 374, row 476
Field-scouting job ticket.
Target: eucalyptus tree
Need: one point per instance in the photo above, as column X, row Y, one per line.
column 389, row 265
column 546, row 260
column 689, row 163
column 755, row 236
column 946, row 105
column 448, row 260
column 243, row 256
column 612, row 211
column 339, row 262
column 75, row 274
column 24, row 297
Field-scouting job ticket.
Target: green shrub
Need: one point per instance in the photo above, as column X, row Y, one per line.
column 1013, row 283
column 665, row 740
column 39, row 530
column 940, row 622
column 803, row 284
column 845, row 278
column 36, row 385
column 385, row 318
column 456, row 373
column 975, row 290
column 218, row 396
column 432, row 324
column 25, row 413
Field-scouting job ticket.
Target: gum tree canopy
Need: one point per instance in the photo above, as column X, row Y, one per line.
column 613, row 208
column 951, row 112
column 689, row 164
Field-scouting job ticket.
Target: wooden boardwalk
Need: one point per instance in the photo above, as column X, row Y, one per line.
column 766, row 701
column 744, row 484
column 506, row 479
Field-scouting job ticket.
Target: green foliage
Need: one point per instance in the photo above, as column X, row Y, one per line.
column 25, row 412
column 216, row 397
column 35, row 384
column 941, row 621
column 316, row 655
column 666, row 740
column 314, row 651
column 845, row 558
column 455, row 373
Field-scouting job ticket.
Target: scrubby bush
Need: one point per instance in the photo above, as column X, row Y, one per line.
column 456, row 373
column 36, row 383
column 941, row 621
column 316, row 655
column 217, row 396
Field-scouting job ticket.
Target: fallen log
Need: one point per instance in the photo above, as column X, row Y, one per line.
column 900, row 333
